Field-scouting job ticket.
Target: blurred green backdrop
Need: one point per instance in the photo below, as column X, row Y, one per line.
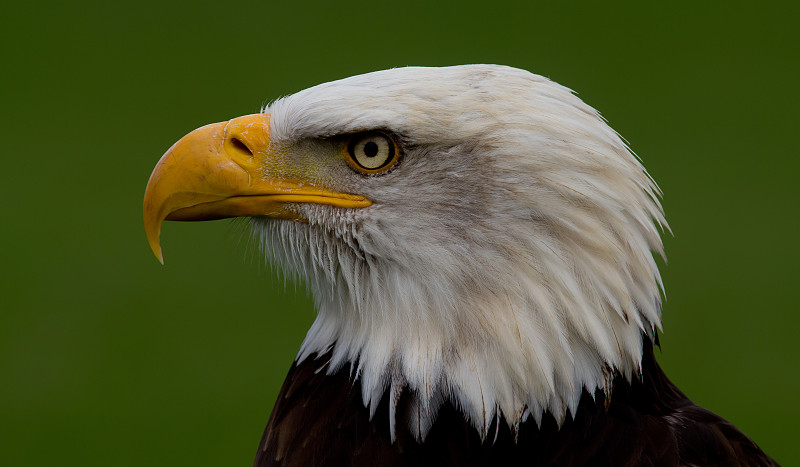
column 108, row 358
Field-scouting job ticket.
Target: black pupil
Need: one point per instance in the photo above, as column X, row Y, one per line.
column 370, row 149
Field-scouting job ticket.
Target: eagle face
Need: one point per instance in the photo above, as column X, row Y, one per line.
column 473, row 235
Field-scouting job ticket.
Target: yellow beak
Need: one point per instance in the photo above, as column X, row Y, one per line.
column 215, row 172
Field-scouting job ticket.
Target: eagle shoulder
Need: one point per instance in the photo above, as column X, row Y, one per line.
column 320, row 419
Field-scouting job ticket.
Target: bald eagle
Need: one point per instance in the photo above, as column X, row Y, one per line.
column 479, row 244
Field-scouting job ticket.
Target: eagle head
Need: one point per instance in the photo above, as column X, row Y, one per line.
column 472, row 234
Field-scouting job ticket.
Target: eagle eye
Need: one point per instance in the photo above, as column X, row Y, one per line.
column 372, row 152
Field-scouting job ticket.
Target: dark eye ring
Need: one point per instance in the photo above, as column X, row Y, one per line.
column 372, row 152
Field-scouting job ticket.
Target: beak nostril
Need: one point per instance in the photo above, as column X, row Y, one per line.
column 238, row 144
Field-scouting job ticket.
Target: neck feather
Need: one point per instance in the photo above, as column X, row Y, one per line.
column 522, row 337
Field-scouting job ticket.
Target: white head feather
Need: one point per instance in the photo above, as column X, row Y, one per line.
column 506, row 263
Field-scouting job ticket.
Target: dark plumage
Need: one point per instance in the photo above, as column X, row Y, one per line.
column 319, row 419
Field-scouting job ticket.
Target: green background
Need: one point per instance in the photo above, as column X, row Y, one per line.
column 108, row 358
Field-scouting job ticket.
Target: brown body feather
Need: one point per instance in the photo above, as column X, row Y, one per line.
column 319, row 419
